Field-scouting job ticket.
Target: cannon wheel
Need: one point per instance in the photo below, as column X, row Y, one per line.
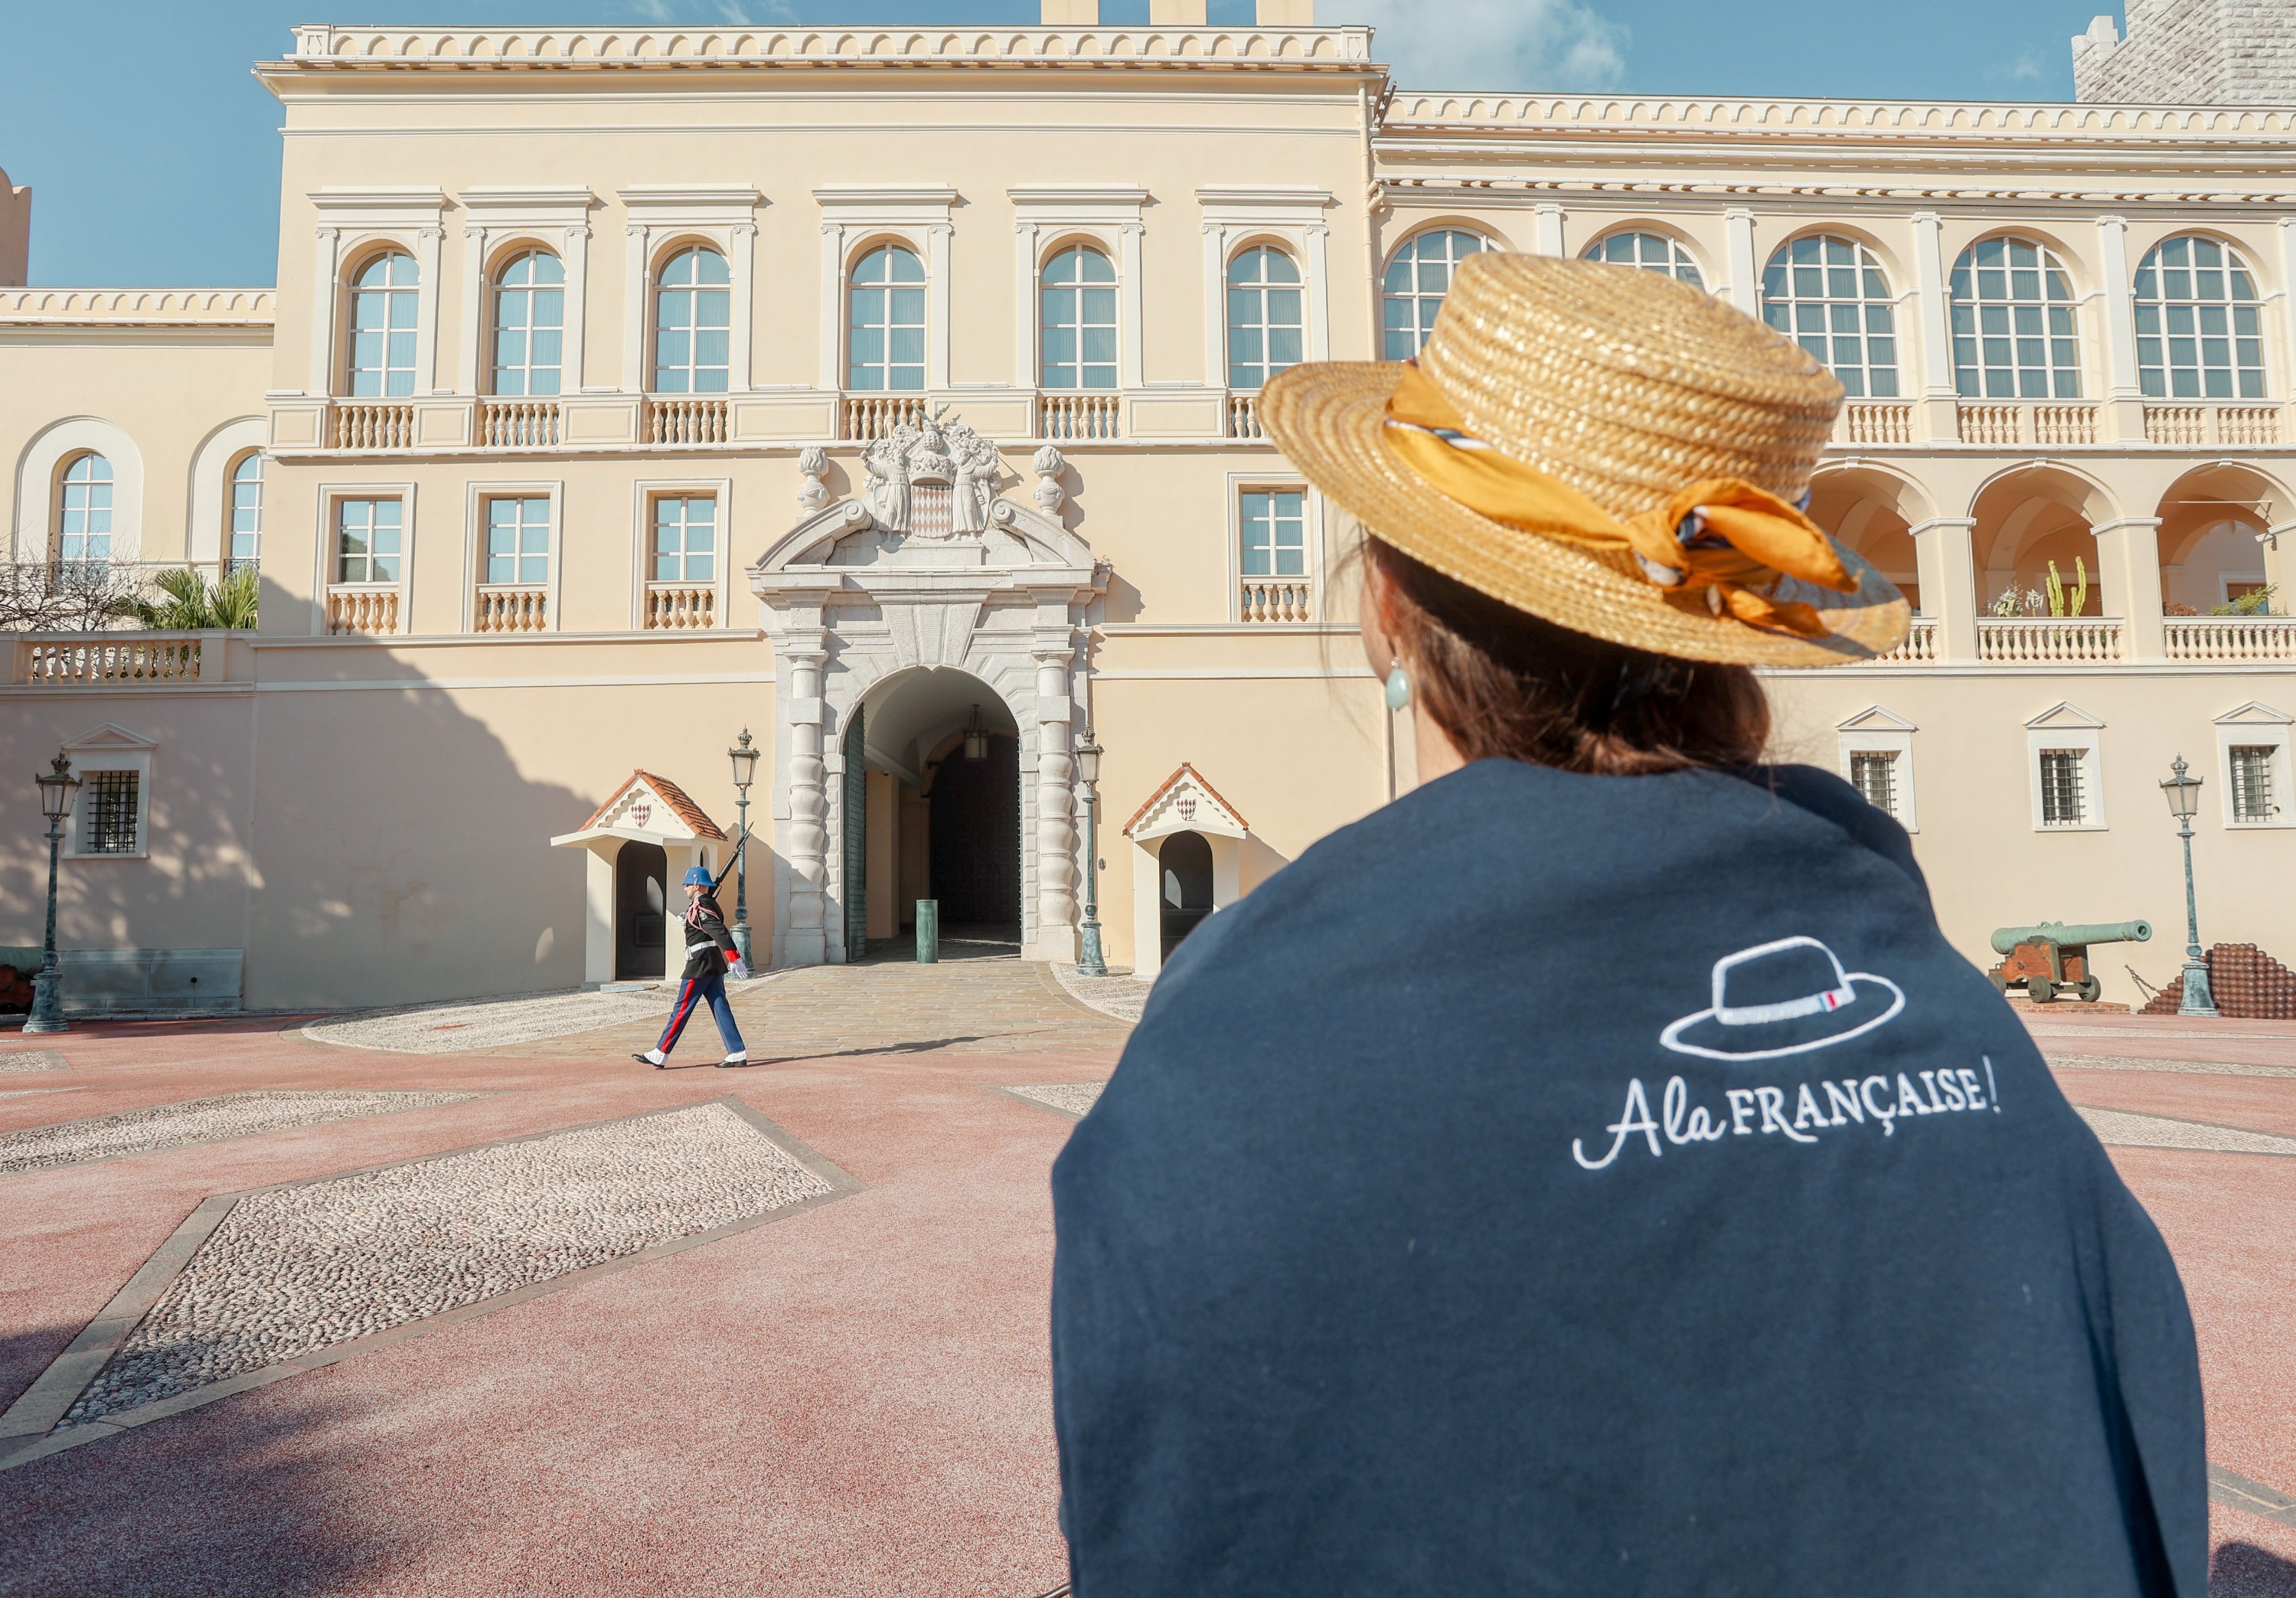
column 2091, row 990
column 2040, row 989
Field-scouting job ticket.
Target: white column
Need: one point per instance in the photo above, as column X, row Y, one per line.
column 2119, row 310
column 2288, row 302
column 1057, row 839
column 833, row 306
column 468, row 368
column 1132, row 356
column 2128, row 580
column 1319, row 293
column 1745, row 272
column 806, row 943
column 428, row 249
column 1026, row 279
column 936, row 306
column 1547, row 231
column 1946, row 568
column 578, row 309
column 1216, row 305
column 744, row 265
column 634, row 375
column 1933, row 319
column 326, row 306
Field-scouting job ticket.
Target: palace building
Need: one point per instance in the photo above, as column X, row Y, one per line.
column 890, row 394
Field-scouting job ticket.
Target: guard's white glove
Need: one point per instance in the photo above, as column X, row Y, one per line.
column 739, row 971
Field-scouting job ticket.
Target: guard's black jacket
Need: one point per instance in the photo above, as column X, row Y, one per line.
column 1591, row 1185
column 708, row 946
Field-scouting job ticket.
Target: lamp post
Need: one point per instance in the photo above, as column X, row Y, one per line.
column 1090, row 962
column 56, row 791
column 2184, row 795
column 744, row 757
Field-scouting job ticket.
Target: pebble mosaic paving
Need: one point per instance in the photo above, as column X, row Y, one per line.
column 294, row 1270
column 2127, row 1129
column 1118, row 994
column 33, row 1060
column 1070, row 1098
column 246, row 1114
column 458, row 1028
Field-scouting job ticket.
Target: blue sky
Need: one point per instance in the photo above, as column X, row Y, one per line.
column 160, row 167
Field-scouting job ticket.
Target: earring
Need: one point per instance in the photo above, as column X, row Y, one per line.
column 1399, row 688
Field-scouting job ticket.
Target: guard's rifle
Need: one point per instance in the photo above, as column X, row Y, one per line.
column 731, row 860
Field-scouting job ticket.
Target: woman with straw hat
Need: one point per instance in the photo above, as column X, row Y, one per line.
column 1594, row 1172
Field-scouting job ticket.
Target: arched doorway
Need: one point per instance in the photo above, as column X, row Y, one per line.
column 2213, row 523
column 1186, row 863
column 641, row 913
column 2024, row 521
column 975, row 853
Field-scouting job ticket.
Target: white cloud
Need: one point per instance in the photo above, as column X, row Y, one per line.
column 1490, row 44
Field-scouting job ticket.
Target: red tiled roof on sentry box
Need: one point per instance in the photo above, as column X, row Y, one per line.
column 669, row 793
column 1168, row 783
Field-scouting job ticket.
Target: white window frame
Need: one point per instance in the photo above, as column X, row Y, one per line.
column 2052, row 260
column 2254, row 723
column 1415, row 294
column 110, row 748
column 2065, row 725
column 1675, row 245
column 474, row 544
column 869, row 250
column 1072, row 244
column 692, row 328
column 1051, row 217
column 855, row 214
column 2161, row 304
column 500, row 222
column 325, row 552
column 1240, row 483
column 1876, row 731
column 662, row 220
column 1292, row 219
column 421, row 292
column 209, row 537
column 354, row 224
column 644, row 492
column 1864, row 259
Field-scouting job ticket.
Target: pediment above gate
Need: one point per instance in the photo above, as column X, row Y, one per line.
column 1185, row 803
column 646, row 809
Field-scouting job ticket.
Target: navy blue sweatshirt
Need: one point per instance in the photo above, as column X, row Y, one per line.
column 1575, row 1185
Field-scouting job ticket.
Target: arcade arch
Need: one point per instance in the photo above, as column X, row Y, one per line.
column 2213, row 522
column 2024, row 519
column 1873, row 512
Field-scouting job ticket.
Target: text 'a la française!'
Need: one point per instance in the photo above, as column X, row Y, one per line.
column 1874, row 1101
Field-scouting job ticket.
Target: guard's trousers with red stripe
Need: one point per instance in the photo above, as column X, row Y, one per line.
column 692, row 994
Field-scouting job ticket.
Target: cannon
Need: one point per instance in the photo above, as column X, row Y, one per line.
column 2052, row 959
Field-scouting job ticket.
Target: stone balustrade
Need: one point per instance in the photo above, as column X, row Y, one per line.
column 362, row 612
column 2231, row 639
column 371, row 424
column 113, row 660
column 1243, row 417
column 678, row 421
column 1068, row 417
column 1277, row 599
column 676, row 606
column 2048, row 641
column 518, row 423
column 506, row 608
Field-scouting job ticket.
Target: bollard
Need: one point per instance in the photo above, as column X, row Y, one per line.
column 928, row 931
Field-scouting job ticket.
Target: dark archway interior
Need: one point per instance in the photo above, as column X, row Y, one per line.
column 641, row 890
column 1186, row 874
column 976, row 837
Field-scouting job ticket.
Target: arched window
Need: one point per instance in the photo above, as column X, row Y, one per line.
column 1653, row 252
column 1266, row 324
column 2013, row 323
column 1077, row 329
column 383, row 302
column 84, row 511
column 1413, row 292
column 1829, row 296
column 247, row 511
column 693, row 311
column 2199, row 328
column 885, row 326
column 530, row 324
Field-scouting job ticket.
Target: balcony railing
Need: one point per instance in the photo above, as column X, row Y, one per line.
column 511, row 609
column 1278, row 599
column 2231, row 639
column 868, row 417
column 686, row 422
column 365, row 612
column 1920, row 647
column 675, row 606
column 518, row 423
column 2212, row 424
column 2050, row 641
column 1070, row 417
column 1864, row 423
column 1243, row 417
column 2024, row 422
column 112, row 661
column 371, row 424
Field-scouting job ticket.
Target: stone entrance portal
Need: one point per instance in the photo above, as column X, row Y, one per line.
column 934, row 579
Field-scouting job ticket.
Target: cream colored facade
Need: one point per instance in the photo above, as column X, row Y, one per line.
column 360, row 798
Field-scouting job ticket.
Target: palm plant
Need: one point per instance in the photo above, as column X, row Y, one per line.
column 188, row 602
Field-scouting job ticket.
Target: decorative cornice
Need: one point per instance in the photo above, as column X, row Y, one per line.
column 138, row 307
column 1451, row 188
column 1549, row 113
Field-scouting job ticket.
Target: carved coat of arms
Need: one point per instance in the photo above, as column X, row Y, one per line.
column 933, row 479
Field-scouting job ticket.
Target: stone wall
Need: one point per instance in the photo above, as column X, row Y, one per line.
column 2191, row 52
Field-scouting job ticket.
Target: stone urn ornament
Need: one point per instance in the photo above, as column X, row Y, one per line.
column 1048, row 466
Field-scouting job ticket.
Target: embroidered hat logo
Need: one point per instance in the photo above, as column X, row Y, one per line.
column 1786, row 997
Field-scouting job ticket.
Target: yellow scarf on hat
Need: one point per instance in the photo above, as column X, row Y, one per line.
column 1711, row 544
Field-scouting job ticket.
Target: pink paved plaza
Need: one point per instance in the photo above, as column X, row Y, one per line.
column 848, row 1398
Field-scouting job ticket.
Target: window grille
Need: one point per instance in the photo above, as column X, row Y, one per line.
column 1267, row 330
column 885, row 322
column 1078, row 327
column 247, row 511
column 693, row 312
column 518, row 540
column 2251, row 782
column 1275, row 533
column 2063, row 801
column 107, row 812
column 368, row 534
column 1873, row 773
column 2199, row 328
column 2013, row 336
column 1651, row 251
column 384, row 306
column 1417, row 279
column 684, row 539
column 1829, row 296
column 530, row 325
column 84, row 511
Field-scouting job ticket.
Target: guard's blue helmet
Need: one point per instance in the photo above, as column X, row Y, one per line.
column 700, row 877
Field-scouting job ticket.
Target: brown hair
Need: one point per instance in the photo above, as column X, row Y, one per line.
column 1503, row 684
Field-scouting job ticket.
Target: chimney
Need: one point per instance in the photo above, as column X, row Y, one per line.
column 1287, row 14
column 1071, row 13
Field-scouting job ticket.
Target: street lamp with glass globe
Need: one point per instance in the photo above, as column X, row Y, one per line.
column 1090, row 962
column 57, row 787
column 744, row 755
column 2183, row 794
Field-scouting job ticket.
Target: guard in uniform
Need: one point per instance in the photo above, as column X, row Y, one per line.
column 709, row 954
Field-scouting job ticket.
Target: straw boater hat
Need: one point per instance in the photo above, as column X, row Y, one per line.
column 1606, row 448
